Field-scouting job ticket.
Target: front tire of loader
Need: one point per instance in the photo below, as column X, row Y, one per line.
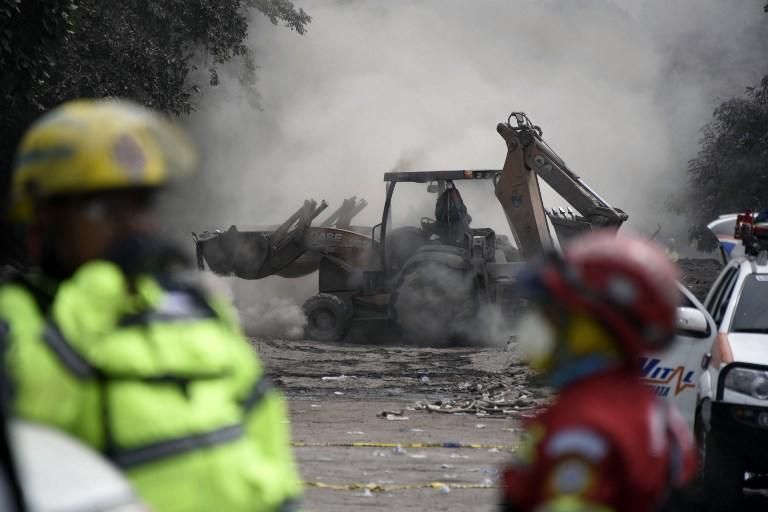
column 327, row 317
column 722, row 475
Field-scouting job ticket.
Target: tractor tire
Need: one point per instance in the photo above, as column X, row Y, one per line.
column 327, row 317
column 722, row 475
column 433, row 304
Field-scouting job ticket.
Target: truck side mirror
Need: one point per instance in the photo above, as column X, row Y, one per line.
column 691, row 321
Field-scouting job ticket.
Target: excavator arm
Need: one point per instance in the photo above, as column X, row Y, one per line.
column 518, row 191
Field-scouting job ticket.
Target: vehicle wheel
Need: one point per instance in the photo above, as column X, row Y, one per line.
column 327, row 317
column 433, row 304
column 699, row 436
column 722, row 476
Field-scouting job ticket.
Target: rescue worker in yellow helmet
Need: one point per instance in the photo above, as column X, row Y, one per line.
column 112, row 342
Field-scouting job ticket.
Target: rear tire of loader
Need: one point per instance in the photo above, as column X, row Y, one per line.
column 327, row 317
column 433, row 305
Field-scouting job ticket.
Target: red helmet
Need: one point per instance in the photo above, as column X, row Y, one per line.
column 625, row 281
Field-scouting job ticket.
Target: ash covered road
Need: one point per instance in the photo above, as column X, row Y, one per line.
column 340, row 395
column 344, row 444
column 365, row 439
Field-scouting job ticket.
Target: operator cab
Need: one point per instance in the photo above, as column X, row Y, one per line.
column 444, row 220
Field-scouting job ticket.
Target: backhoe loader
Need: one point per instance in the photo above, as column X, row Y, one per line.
column 438, row 281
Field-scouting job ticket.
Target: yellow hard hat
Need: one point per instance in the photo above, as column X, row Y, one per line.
column 92, row 145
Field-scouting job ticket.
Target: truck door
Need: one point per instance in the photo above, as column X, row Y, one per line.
column 673, row 373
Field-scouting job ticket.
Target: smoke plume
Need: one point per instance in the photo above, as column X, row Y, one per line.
column 620, row 88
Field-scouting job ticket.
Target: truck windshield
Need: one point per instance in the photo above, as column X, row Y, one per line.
column 752, row 310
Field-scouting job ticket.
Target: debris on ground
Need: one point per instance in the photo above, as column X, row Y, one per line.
column 399, row 450
column 392, row 414
column 497, row 400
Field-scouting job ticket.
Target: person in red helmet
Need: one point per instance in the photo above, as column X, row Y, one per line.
column 606, row 443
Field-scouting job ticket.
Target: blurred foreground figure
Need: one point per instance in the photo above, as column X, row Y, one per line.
column 607, row 443
column 113, row 342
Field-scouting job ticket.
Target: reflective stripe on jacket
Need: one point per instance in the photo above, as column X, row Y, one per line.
column 161, row 381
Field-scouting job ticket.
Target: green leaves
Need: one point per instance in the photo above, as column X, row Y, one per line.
column 730, row 172
column 55, row 50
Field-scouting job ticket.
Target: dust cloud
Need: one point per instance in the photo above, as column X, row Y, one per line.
column 620, row 88
column 263, row 315
column 433, row 307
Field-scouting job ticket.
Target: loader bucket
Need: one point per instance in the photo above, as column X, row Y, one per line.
column 259, row 253
column 245, row 254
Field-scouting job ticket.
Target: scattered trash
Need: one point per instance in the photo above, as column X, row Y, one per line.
column 424, row 379
column 338, row 393
column 315, row 406
column 493, row 450
column 480, row 425
column 441, row 487
column 367, row 493
column 393, row 415
column 399, row 450
column 339, row 377
column 417, row 430
column 494, row 399
column 446, row 466
column 487, row 482
column 379, row 453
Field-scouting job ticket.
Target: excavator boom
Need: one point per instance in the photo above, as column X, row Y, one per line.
column 518, row 191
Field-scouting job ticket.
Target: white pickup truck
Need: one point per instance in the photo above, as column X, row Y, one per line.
column 732, row 410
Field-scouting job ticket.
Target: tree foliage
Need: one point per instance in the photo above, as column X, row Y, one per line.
column 55, row 50
column 147, row 50
column 730, row 172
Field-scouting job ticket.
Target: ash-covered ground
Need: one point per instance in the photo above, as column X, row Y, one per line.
column 436, row 423
column 394, row 427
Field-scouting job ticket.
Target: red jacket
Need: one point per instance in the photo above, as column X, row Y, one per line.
column 606, row 441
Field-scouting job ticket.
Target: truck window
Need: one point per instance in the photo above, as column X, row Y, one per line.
column 685, row 302
column 752, row 310
column 714, row 305
column 725, row 299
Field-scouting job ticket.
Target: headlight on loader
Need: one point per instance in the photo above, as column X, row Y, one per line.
column 748, row 382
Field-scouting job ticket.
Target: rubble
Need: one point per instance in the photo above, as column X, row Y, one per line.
column 495, row 400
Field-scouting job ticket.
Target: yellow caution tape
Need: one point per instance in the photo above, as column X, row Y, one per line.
column 373, row 487
column 365, row 444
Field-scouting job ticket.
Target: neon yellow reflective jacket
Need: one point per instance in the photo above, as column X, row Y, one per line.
column 160, row 380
